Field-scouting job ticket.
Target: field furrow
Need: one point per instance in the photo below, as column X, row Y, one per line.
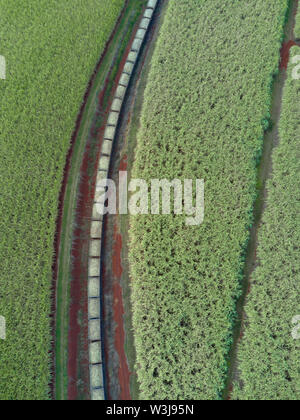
column 269, row 351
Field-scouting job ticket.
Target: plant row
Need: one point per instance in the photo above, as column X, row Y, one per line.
column 206, row 106
column 269, row 352
column 51, row 49
column 297, row 24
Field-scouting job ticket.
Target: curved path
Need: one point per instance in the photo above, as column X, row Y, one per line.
column 70, row 267
column 96, row 347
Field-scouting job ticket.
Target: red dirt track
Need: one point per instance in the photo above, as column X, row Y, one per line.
column 285, row 53
column 118, row 374
column 117, row 260
column 78, row 363
column 124, row 374
column 112, row 284
column 78, row 288
column 78, row 293
column 118, row 308
column 286, row 46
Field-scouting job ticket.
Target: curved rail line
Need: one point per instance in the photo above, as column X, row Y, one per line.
column 96, row 348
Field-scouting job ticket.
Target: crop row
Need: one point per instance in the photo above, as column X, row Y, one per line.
column 94, row 281
column 51, row 49
column 206, row 106
column 269, row 352
column 297, row 25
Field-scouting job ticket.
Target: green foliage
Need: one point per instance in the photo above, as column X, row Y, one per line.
column 268, row 355
column 205, row 109
column 51, row 48
column 297, row 25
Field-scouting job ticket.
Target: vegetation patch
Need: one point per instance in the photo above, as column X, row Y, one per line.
column 206, row 106
column 297, row 25
column 269, row 353
column 51, row 49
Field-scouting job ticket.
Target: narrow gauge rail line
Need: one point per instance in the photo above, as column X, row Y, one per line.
column 95, row 310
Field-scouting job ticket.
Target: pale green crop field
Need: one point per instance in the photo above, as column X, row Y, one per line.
column 297, row 25
column 207, row 104
column 269, row 354
column 51, row 49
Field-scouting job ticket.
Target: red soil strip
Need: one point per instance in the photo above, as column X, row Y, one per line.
column 118, row 307
column 124, row 374
column 123, row 163
column 117, row 269
column 79, row 301
column 117, row 259
column 115, row 288
column 79, row 298
column 285, row 49
column 118, row 310
column 230, row 393
column 57, row 238
column 285, row 54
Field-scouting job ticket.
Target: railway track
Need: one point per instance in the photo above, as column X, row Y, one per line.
column 95, row 311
